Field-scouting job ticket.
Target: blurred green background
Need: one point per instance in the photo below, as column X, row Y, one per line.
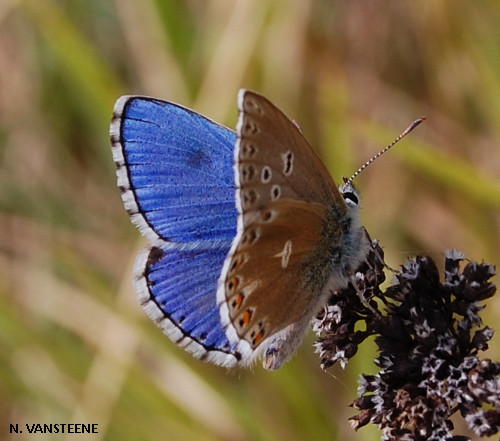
column 75, row 345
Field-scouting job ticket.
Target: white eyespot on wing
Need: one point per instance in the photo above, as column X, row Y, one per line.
column 266, row 174
column 285, row 254
column 288, row 159
column 275, row 192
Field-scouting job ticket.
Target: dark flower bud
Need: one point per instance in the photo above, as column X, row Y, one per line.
column 429, row 337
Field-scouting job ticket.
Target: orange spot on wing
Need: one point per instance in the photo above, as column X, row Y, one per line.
column 259, row 337
column 247, row 316
column 239, row 299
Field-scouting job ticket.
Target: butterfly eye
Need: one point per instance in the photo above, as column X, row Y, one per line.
column 349, row 196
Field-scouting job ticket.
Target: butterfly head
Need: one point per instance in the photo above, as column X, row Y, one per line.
column 350, row 194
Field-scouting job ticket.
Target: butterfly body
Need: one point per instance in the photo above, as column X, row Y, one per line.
column 249, row 233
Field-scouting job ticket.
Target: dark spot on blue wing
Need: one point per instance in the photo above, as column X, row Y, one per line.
column 198, row 159
column 154, row 256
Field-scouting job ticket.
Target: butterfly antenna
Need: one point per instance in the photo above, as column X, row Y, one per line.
column 372, row 159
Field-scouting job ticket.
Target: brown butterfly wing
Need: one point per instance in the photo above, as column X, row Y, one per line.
column 273, row 152
column 278, row 269
column 282, row 254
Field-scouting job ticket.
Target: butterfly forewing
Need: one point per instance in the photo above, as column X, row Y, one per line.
column 275, row 160
column 174, row 169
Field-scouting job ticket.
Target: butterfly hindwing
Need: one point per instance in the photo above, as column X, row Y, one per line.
column 276, row 275
column 178, row 294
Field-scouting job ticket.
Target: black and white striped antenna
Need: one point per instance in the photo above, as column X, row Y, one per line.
column 373, row 158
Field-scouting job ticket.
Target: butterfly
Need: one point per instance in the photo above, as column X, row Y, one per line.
column 248, row 233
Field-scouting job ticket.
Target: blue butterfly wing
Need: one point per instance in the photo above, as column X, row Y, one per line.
column 175, row 170
column 178, row 294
